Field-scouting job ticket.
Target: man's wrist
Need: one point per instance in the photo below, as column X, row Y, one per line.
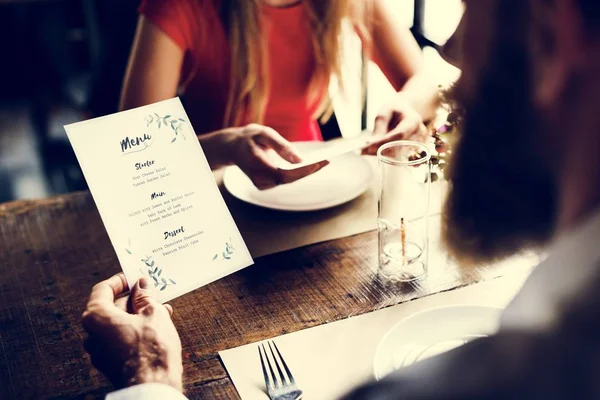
column 171, row 378
column 153, row 365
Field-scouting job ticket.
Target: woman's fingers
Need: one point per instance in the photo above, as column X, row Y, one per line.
column 406, row 129
column 265, row 175
column 261, row 169
column 289, row 176
column 270, row 138
column 382, row 122
column 257, row 166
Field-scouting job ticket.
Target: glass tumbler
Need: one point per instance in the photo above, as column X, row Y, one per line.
column 405, row 173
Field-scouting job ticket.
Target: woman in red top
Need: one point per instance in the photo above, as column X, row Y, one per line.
column 253, row 74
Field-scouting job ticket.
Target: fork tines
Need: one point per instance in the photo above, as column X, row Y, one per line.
column 279, row 379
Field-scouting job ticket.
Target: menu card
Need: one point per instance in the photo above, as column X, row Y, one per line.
column 158, row 198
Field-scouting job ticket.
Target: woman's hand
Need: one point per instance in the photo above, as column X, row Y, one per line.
column 132, row 339
column 396, row 121
column 249, row 149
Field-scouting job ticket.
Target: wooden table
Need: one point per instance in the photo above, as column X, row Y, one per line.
column 53, row 251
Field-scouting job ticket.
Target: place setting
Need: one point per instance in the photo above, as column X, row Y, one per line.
column 327, row 361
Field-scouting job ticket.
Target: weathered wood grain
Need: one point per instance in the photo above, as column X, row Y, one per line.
column 53, row 251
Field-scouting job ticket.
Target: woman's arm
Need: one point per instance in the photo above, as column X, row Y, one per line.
column 153, row 75
column 154, row 67
column 397, row 53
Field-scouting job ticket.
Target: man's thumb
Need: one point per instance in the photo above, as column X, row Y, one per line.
column 142, row 297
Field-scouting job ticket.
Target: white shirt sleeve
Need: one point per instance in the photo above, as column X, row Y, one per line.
column 147, row 391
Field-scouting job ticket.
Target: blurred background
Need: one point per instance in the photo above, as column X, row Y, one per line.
column 62, row 61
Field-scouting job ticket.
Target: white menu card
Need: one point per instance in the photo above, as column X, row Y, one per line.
column 158, row 198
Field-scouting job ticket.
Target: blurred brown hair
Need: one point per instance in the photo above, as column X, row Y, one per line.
column 249, row 74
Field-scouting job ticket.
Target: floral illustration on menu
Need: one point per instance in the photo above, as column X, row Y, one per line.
column 227, row 253
column 153, row 271
column 176, row 124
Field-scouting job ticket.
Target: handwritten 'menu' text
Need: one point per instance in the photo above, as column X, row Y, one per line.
column 174, row 233
column 129, row 143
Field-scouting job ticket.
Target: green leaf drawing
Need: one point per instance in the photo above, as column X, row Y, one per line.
column 128, row 251
column 166, row 121
column 174, row 139
column 227, row 253
column 154, row 272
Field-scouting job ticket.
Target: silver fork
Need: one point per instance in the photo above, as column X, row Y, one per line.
column 280, row 386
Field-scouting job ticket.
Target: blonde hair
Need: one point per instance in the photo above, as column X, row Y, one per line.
column 249, row 81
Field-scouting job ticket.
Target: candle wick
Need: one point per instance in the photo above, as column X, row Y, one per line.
column 403, row 239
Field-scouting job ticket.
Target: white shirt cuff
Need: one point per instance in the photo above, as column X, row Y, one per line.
column 147, row 391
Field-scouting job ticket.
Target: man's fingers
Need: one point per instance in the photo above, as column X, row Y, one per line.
column 101, row 306
column 88, row 345
column 121, row 303
column 108, row 290
column 169, row 309
column 142, row 298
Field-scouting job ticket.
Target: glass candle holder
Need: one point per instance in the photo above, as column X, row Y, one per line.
column 405, row 172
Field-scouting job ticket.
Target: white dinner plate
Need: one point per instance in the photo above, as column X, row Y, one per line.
column 432, row 332
column 344, row 179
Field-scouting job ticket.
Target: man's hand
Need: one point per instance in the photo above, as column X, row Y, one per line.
column 396, row 121
column 132, row 339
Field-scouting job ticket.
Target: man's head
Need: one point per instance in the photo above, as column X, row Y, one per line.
column 527, row 94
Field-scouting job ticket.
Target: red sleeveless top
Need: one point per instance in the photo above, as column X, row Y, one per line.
column 196, row 27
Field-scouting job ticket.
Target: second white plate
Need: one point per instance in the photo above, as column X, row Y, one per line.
column 432, row 332
column 344, row 179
